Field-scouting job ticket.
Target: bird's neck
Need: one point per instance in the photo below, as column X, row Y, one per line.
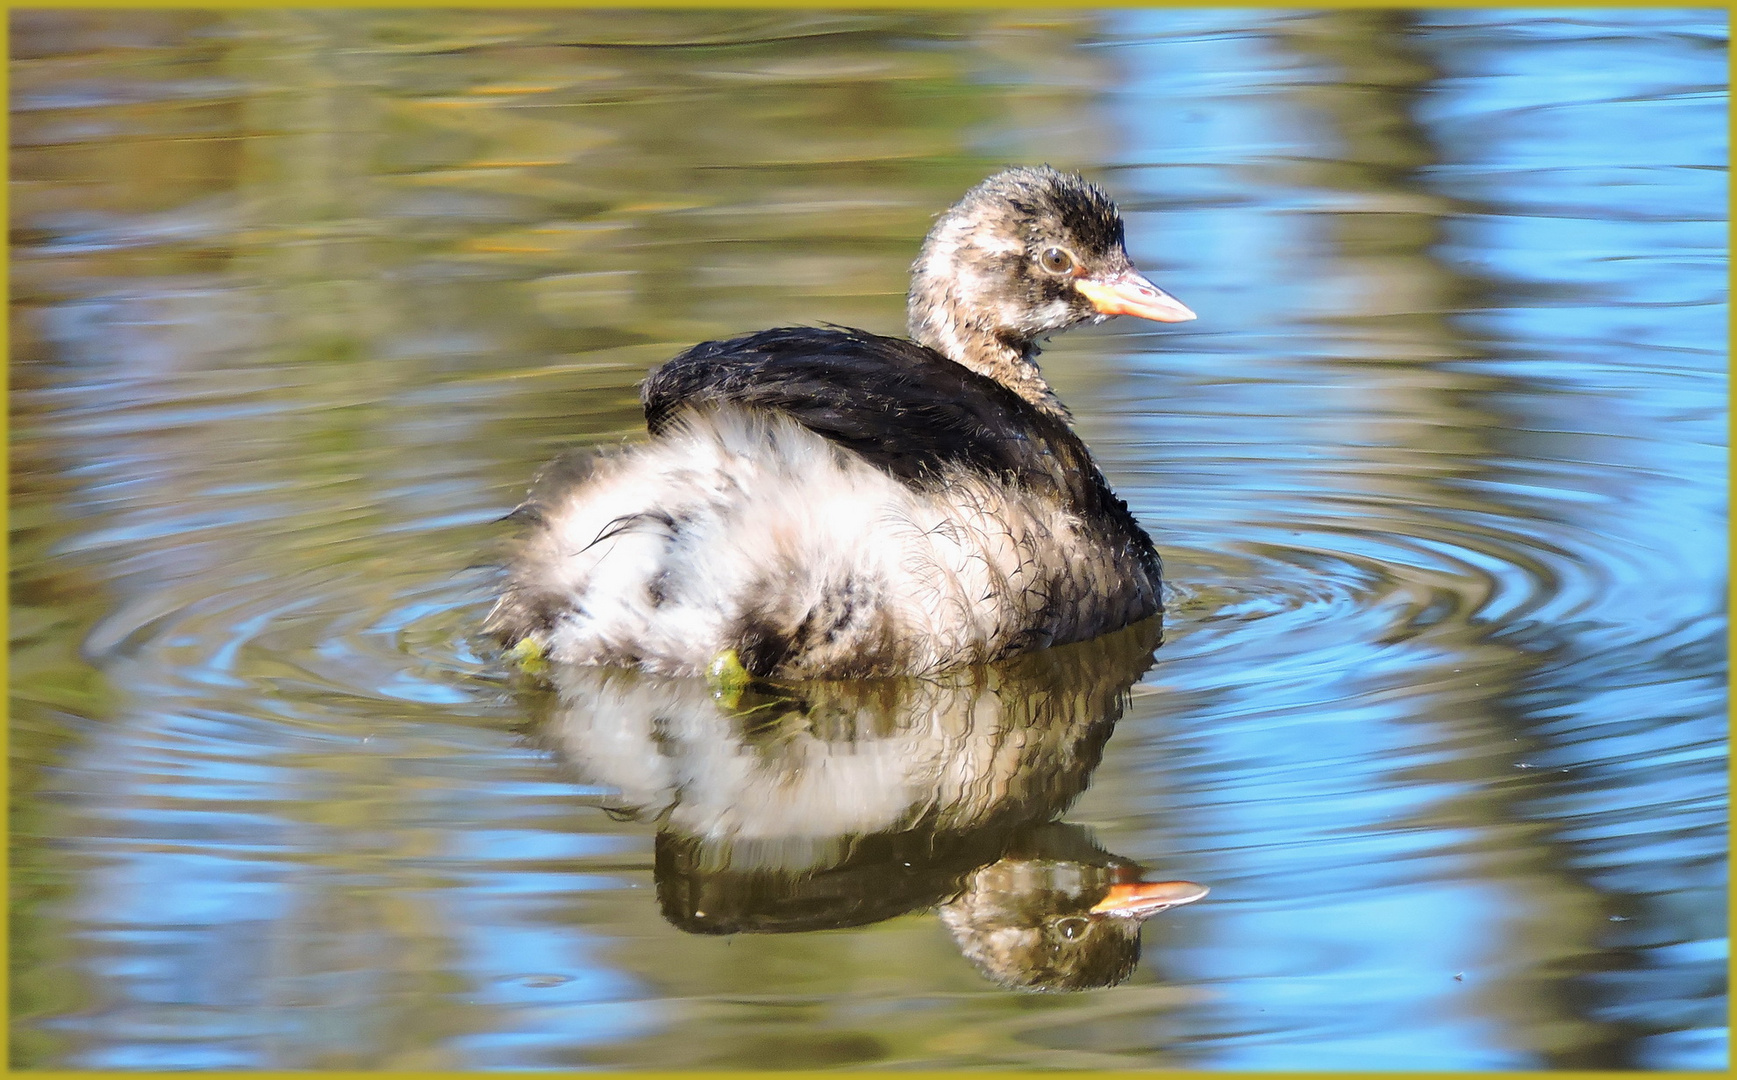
column 941, row 323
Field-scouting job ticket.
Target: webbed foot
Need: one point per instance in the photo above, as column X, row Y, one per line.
column 529, row 657
column 727, row 678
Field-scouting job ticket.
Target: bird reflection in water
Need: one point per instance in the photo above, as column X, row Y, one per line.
column 787, row 808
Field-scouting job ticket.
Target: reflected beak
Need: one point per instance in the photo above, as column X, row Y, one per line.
column 1130, row 294
column 1139, row 899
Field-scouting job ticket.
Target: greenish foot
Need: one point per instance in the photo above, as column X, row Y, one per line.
column 529, row 657
column 727, row 678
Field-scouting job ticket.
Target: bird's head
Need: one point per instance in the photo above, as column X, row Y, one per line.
column 1025, row 253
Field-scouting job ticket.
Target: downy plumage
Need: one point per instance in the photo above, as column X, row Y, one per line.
column 834, row 503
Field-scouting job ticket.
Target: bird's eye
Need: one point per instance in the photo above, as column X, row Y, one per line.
column 1072, row 927
column 1056, row 261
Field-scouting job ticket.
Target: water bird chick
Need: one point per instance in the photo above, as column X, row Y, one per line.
column 834, row 503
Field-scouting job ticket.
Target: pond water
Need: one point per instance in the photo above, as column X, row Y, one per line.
column 302, row 300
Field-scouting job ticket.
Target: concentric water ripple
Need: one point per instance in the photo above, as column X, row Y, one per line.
column 367, row 635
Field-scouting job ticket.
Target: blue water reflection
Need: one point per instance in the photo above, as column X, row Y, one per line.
column 1595, row 239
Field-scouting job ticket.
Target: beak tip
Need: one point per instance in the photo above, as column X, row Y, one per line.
column 1143, row 899
column 1133, row 295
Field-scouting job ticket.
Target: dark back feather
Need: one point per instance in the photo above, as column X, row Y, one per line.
column 903, row 408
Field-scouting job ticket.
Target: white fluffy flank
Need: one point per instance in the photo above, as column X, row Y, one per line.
column 735, row 528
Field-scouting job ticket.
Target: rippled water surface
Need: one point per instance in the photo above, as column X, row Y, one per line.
column 301, row 301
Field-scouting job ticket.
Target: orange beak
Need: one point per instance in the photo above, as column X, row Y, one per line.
column 1130, row 294
column 1139, row 899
